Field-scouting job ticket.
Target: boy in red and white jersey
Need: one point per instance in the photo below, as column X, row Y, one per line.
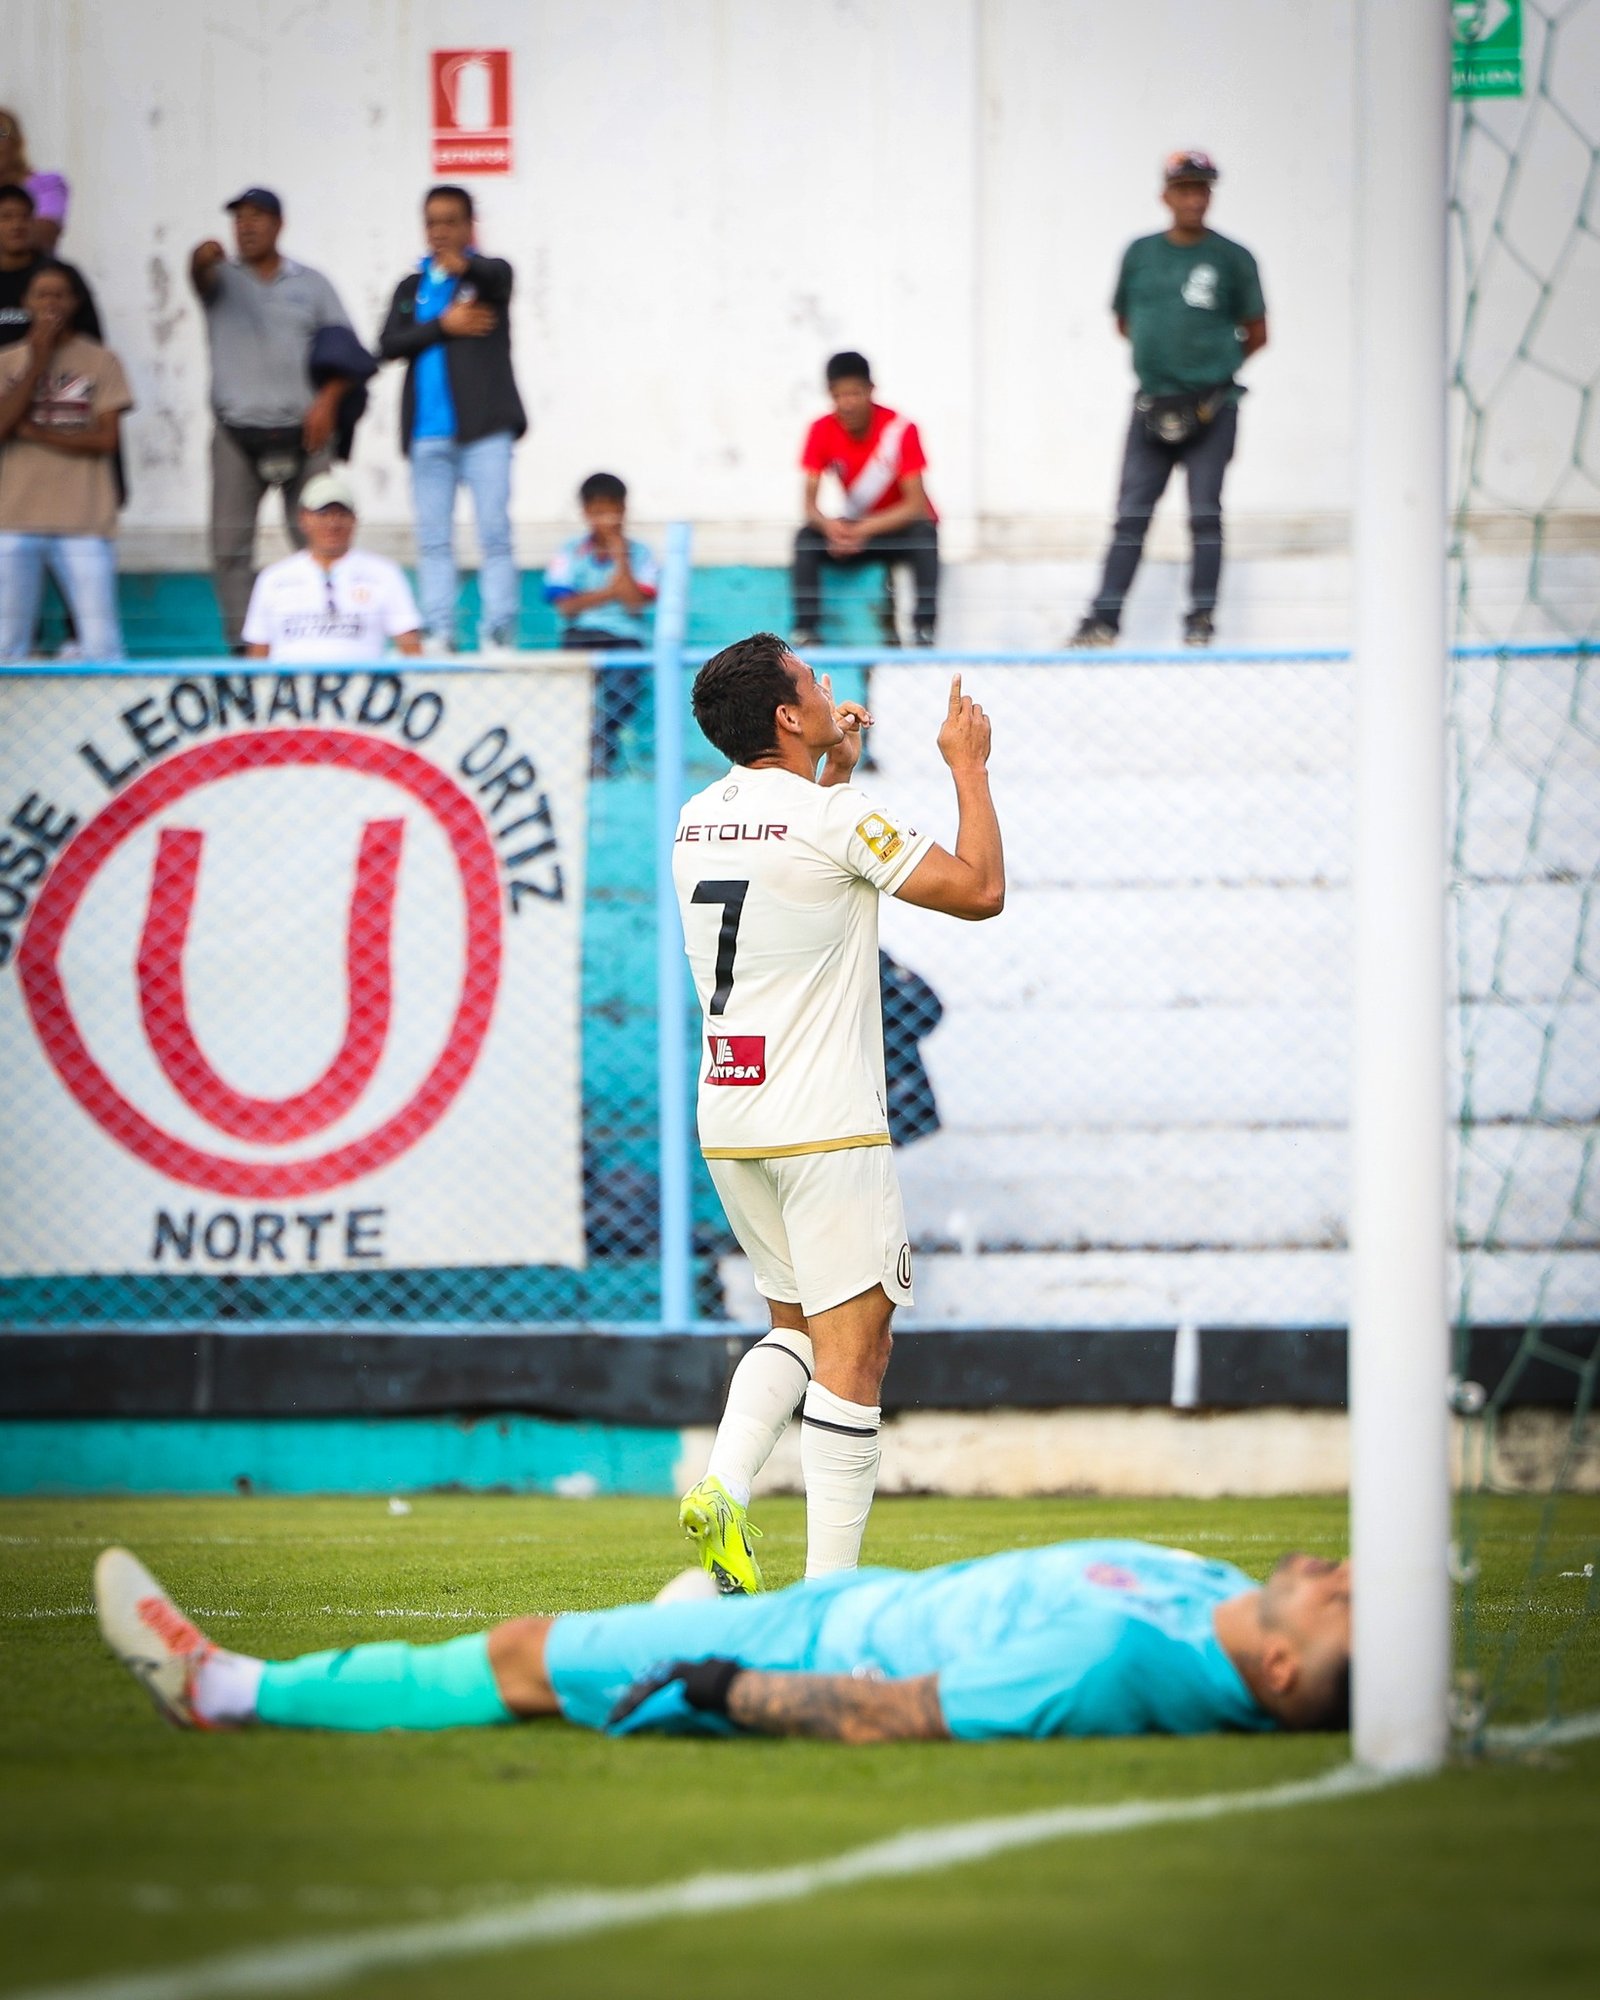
column 779, row 866
column 876, row 456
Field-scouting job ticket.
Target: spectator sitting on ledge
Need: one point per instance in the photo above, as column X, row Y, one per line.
column 330, row 604
column 602, row 584
column 877, row 458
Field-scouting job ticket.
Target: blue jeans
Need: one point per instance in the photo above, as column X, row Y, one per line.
column 438, row 466
column 85, row 567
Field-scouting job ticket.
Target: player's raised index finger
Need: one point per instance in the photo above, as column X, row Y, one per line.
column 955, row 694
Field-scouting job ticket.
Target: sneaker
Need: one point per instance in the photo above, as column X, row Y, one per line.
column 1095, row 631
column 435, row 647
column 922, row 633
column 804, row 638
column 499, row 645
column 710, row 1516
column 1198, row 629
column 150, row 1635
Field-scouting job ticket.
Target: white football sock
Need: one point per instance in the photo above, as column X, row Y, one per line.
column 839, row 1457
column 765, row 1391
column 224, row 1687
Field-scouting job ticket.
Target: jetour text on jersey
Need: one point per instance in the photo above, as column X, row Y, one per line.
column 729, row 830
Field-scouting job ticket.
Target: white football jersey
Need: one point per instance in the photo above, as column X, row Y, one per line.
column 778, row 882
column 306, row 615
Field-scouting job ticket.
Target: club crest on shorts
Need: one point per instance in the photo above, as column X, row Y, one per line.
column 903, row 1266
column 884, row 840
column 737, row 1059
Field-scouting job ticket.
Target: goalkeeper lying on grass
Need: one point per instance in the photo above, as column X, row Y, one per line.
column 1102, row 1638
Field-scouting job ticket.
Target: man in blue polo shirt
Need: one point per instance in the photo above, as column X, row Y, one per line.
column 1096, row 1638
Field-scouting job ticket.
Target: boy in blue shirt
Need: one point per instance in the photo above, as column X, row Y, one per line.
column 1095, row 1638
column 602, row 584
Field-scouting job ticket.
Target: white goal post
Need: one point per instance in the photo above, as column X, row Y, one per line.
column 1399, row 1353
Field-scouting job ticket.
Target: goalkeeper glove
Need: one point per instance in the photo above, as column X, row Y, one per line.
column 697, row 1684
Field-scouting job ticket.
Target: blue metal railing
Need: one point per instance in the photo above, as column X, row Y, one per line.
column 671, row 658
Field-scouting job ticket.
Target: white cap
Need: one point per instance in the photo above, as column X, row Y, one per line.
column 327, row 489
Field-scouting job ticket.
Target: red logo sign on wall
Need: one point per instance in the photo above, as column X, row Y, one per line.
column 161, row 985
column 471, row 111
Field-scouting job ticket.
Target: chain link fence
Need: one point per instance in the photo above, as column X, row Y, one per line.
column 336, row 998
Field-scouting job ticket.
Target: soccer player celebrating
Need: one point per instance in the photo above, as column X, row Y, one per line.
column 1109, row 1638
column 779, row 866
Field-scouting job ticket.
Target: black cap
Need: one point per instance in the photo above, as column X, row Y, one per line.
column 262, row 198
column 1191, row 165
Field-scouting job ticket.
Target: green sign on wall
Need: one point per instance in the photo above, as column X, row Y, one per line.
column 1488, row 48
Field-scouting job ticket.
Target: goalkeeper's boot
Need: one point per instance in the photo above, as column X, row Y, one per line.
column 150, row 1635
column 719, row 1527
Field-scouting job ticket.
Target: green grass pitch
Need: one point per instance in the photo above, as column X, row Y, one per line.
column 128, row 1846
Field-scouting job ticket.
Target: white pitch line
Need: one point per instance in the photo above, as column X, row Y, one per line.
column 302, row 1965
column 305, row 1964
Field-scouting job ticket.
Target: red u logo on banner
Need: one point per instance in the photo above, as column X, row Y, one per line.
column 164, row 1005
column 163, row 1002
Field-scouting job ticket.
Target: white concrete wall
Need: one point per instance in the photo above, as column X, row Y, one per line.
column 1199, row 1455
column 712, row 194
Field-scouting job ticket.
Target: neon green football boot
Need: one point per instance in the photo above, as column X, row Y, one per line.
column 715, row 1522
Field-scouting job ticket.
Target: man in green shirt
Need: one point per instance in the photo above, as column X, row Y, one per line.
column 1190, row 303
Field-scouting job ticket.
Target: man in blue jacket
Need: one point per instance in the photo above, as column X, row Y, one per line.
column 460, row 414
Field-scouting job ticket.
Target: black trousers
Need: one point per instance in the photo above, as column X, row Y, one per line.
column 917, row 543
column 1147, row 465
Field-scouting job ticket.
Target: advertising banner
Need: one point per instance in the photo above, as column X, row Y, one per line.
column 289, row 971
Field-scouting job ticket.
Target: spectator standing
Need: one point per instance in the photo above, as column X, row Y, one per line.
column 877, row 457
column 330, row 603
column 19, row 259
column 602, row 584
column 273, row 429
column 48, row 192
column 460, row 415
column 62, row 395
column 1189, row 302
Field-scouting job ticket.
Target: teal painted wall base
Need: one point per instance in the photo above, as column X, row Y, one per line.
column 172, row 615
column 511, row 1454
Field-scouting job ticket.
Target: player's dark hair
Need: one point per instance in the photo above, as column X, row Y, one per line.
column 738, row 692
column 13, row 191
column 454, row 193
column 602, row 486
column 847, row 367
column 1333, row 1710
column 54, row 268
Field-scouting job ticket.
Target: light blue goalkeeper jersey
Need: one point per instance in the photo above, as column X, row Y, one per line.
column 1102, row 1638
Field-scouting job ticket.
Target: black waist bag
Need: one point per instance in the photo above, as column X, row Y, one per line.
column 277, row 451
column 1179, row 420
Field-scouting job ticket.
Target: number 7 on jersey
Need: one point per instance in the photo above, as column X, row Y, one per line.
column 731, row 896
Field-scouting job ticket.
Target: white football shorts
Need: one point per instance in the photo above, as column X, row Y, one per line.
column 819, row 1228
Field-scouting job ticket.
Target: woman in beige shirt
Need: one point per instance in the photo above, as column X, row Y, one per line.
column 61, row 398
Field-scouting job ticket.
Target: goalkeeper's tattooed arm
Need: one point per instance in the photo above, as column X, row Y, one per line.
column 838, row 1707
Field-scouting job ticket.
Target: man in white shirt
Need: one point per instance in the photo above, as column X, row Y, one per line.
column 778, row 867
column 331, row 604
